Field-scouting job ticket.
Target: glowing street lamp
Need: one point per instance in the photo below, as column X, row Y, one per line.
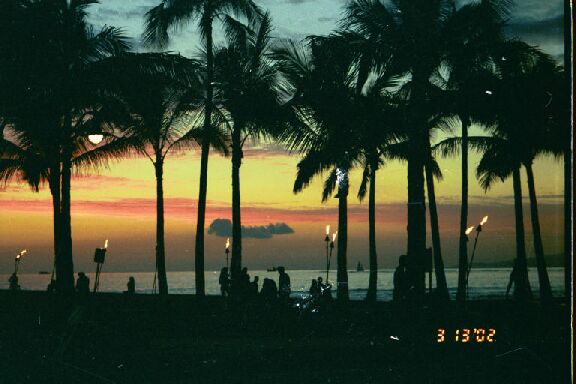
column 478, row 230
column 17, row 260
column 96, row 138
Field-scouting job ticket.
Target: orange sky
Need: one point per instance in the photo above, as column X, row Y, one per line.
column 119, row 204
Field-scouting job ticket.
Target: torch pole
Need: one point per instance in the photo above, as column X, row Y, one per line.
column 478, row 230
column 327, row 240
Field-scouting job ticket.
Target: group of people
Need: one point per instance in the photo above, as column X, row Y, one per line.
column 320, row 290
column 241, row 286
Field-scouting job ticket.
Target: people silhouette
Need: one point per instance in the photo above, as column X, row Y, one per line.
column 131, row 285
column 13, row 280
column 224, row 282
column 254, row 287
column 314, row 289
column 82, row 284
column 283, row 283
column 269, row 290
column 401, row 280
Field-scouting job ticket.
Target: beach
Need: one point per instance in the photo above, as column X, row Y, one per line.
column 116, row 338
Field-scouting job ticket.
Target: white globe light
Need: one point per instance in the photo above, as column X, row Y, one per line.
column 95, row 139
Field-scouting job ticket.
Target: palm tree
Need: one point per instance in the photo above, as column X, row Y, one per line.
column 418, row 35
column 56, row 47
column 468, row 61
column 247, row 100
column 379, row 128
column 528, row 96
column 500, row 161
column 174, row 13
column 322, row 88
column 161, row 106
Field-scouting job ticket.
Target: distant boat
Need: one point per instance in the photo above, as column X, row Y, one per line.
column 273, row 269
column 359, row 267
column 43, row 273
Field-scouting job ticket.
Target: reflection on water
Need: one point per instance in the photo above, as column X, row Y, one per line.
column 484, row 283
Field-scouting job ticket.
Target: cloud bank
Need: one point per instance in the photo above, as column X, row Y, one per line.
column 223, row 228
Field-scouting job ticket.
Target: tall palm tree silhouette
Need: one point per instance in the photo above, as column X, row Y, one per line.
column 379, row 128
column 418, row 35
column 57, row 47
column 322, row 86
column 469, row 61
column 160, row 100
column 524, row 110
column 174, row 13
column 500, row 161
column 527, row 100
column 247, row 82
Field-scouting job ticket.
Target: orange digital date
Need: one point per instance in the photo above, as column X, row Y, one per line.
column 467, row 335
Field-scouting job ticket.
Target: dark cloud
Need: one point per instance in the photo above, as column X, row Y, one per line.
column 223, row 228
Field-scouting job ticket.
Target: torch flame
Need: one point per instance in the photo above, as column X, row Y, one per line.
column 327, row 230
column 470, row 229
column 334, row 236
column 106, row 244
column 484, row 220
column 227, row 243
column 22, row 253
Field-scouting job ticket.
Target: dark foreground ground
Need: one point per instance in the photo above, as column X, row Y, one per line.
column 142, row 339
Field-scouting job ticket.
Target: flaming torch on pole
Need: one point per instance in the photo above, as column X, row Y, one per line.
column 331, row 249
column 327, row 241
column 478, row 230
column 99, row 257
column 227, row 252
column 17, row 260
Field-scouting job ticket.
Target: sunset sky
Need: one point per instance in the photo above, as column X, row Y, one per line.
column 119, row 203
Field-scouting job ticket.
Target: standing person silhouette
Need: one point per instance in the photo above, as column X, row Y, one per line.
column 401, row 280
column 283, row 284
column 224, row 282
column 131, row 285
column 13, row 280
column 82, row 284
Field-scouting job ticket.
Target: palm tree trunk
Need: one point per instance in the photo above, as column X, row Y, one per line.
column 522, row 290
column 544, row 281
column 236, row 263
column 568, row 153
column 203, row 190
column 463, row 242
column 441, row 285
column 416, row 223
column 64, row 264
column 160, row 247
column 55, row 192
column 373, row 279
column 342, row 272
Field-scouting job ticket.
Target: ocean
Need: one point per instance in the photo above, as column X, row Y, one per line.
column 485, row 283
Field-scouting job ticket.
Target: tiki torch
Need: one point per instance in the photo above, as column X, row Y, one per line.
column 330, row 257
column 99, row 257
column 327, row 241
column 17, row 260
column 227, row 251
column 478, row 230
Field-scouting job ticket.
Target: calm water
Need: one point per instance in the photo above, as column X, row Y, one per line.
column 484, row 283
